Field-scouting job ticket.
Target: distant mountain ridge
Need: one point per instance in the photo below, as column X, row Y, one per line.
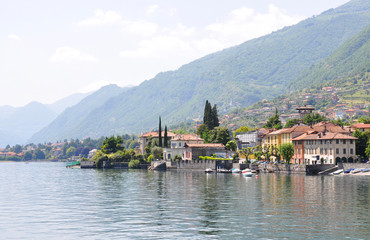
column 18, row 124
column 62, row 126
column 235, row 77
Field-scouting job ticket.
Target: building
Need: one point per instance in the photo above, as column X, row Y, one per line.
column 303, row 111
column 143, row 140
column 194, row 151
column 361, row 127
column 250, row 139
column 324, row 147
column 178, row 143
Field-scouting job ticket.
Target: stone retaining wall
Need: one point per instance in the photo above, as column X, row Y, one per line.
column 355, row 165
column 203, row 164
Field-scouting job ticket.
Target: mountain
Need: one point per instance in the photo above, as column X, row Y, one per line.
column 62, row 127
column 235, row 77
column 17, row 124
column 339, row 84
column 350, row 58
column 59, row 106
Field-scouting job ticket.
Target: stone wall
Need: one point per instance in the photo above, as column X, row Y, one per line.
column 355, row 165
column 203, row 164
column 316, row 168
column 286, row 168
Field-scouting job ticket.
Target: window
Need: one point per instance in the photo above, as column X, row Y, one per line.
column 337, row 151
column 324, row 141
column 351, row 141
column 351, row 151
column 344, row 141
column 179, row 144
column 330, row 152
column 321, row 151
column 321, row 142
column 337, row 141
column 344, row 151
column 326, row 151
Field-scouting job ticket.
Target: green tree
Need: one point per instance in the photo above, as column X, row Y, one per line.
column 361, row 143
column 274, row 121
column 17, row 148
column 201, row 129
column 367, row 150
column 291, row 122
column 215, row 121
column 160, row 132
column 313, row 118
column 177, row 158
column 165, row 137
column 28, row 156
column 112, row 144
column 287, row 151
column 231, row 145
column 135, row 164
column 39, row 154
column 157, row 152
column 242, row 129
column 210, row 117
column 364, row 119
column 219, row 135
column 71, row 151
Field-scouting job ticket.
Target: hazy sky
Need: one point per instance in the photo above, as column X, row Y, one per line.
column 51, row 49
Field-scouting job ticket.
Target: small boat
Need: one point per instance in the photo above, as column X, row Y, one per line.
column 247, row 173
column 235, row 170
column 209, row 170
column 223, row 170
column 338, row 172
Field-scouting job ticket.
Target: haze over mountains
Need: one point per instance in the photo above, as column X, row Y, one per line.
column 235, row 77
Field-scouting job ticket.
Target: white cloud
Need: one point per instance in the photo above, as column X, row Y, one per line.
column 151, row 9
column 245, row 24
column 172, row 12
column 143, row 28
column 102, row 18
column 14, row 37
column 68, row 55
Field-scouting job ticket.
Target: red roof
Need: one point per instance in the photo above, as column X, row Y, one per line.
column 206, row 145
column 361, row 125
column 155, row 134
column 321, row 136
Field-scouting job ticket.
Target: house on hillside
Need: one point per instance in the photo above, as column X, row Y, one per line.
column 361, row 127
column 143, row 139
column 194, row 151
column 324, row 147
column 178, row 144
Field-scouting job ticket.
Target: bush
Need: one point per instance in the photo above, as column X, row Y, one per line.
column 135, row 164
column 150, row 158
column 213, row 158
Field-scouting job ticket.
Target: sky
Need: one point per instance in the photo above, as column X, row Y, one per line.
column 52, row 49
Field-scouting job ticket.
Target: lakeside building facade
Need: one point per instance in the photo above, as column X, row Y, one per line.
column 194, row 151
column 178, row 144
column 324, row 147
column 250, row 139
column 143, row 139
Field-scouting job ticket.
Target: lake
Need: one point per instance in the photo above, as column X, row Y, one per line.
column 49, row 201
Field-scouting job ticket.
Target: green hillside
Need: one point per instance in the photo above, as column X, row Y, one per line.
column 232, row 78
column 61, row 127
column 338, row 83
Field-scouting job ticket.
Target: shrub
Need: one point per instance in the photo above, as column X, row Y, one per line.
column 135, row 164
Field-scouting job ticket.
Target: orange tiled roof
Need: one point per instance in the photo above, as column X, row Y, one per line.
column 187, row 137
column 321, row 136
column 206, row 145
column 361, row 125
column 155, row 134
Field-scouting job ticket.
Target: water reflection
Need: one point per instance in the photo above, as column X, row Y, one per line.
column 48, row 201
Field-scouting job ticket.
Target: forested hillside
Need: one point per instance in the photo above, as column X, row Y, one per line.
column 232, row 78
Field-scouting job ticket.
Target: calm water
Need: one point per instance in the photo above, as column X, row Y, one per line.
column 48, row 201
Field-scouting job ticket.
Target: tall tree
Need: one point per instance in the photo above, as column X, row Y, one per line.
column 215, row 121
column 274, row 121
column 165, row 144
column 160, row 132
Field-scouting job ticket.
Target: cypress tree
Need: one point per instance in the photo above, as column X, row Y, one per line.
column 160, row 132
column 207, row 118
column 165, row 144
column 215, row 121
